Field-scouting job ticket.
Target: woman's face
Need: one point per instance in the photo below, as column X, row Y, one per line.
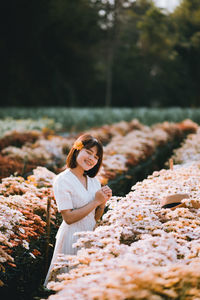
column 87, row 158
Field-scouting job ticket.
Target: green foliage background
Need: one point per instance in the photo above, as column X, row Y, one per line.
column 66, row 53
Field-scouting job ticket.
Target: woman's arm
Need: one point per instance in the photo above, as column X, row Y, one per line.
column 99, row 212
column 71, row 216
column 100, row 209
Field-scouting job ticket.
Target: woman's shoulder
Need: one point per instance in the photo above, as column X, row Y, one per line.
column 64, row 176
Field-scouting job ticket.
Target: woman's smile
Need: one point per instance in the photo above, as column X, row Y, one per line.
column 89, row 163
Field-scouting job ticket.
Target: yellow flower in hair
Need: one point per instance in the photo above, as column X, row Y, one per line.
column 78, row 145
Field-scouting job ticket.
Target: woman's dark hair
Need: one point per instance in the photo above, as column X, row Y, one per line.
column 88, row 142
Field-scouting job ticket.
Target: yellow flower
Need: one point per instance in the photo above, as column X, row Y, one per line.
column 31, row 178
column 78, row 145
column 139, row 218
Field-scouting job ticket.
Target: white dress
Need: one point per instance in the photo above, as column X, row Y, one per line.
column 70, row 193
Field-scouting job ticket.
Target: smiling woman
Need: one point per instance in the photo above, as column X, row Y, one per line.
column 79, row 195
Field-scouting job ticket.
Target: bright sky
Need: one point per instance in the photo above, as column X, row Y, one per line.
column 168, row 4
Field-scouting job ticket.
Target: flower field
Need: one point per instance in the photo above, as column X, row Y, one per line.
column 134, row 233
column 140, row 251
column 126, row 144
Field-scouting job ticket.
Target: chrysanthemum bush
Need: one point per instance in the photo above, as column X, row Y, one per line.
column 189, row 150
column 130, row 149
column 20, row 125
column 126, row 144
column 23, row 210
column 21, row 152
column 139, row 251
column 133, row 281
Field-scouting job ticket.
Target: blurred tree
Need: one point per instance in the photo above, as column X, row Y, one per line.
column 120, row 59
column 47, row 52
column 131, row 85
column 111, row 14
column 187, row 25
column 156, row 42
column 151, row 67
column 99, row 52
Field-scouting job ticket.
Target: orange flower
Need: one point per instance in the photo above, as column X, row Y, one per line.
column 12, row 265
column 139, row 218
column 103, row 180
column 36, row 252
column 31, row 178
column 78, row 145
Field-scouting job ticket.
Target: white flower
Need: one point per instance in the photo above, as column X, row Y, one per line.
column 25, row 244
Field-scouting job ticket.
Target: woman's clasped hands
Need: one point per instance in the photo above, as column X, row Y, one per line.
column 103, row 195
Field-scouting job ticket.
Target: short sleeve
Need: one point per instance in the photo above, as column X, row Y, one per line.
column 62, row 194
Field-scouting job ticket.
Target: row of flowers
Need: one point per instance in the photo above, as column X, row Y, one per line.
column 189, row 150
column 126, row 144
column 9, row 124
column 123, row 152
column 23, row 212
column 139, row 250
